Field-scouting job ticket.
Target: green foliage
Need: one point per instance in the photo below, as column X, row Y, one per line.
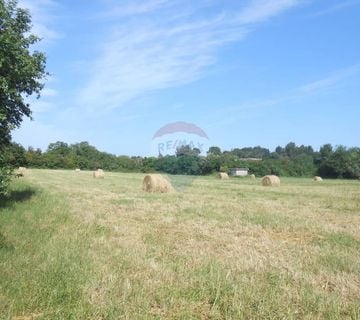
column 186, row 150
column 21, row 71
column 5, row 174
column 341, row 163
column 224, row 169
column 248, row 152
column 216, row 151
column 34, row 157
column 291, row 161
column 15, row 155
column 5, row 177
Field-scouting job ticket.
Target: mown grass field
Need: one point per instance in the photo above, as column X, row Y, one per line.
column 74, row 247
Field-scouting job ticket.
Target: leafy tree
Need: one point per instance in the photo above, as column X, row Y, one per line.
column 5, row 175
column 249, row 152
column 15, row 155
column 212, row 163
column 326, row 151
column 34, row 158
column 279, row 150
column 149, row 164
column 186, row 150
column 340, row 163
column 290, row 149
column 297, row 161
column 216, row 151
column 188, row 164
column 59, row 147
column 21, row 72
column 168, row 164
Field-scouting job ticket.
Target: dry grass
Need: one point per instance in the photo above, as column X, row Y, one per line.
column 214, row 251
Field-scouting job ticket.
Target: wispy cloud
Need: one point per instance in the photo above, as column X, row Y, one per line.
column 339, row 6
column 261, row 10
column 325, row 84
column 130, row 8
column 330, row 81
column 42, row 18
column 150, row 52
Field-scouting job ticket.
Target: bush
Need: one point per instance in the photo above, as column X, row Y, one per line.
column 5, row 178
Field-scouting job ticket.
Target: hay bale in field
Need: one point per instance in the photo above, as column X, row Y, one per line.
column 223, row 176
column 77, row 170
column 99, row 173
column 252, row 176
column 270, row 181
column 20, row 172
column 156, row 183
column 317, row 178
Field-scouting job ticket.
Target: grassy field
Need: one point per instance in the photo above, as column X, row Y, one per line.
column 74, row 247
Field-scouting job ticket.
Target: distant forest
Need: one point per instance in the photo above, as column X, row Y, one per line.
column 291, row 160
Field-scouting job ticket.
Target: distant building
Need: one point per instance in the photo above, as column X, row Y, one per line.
column 239, row 172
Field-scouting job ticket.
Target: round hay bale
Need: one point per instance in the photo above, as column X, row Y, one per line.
column 77, row 170
column 270, row 181
column 317, row 178
column 20, row 172
column 252, row 176
column 99, row 174
column 223, row 176
column 156, row 183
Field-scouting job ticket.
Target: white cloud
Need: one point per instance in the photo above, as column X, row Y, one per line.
column 154, row 52
column 42, row 18
column 150, row 59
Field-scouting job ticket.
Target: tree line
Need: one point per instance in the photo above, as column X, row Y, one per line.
column 22, row 72
column 291, row 160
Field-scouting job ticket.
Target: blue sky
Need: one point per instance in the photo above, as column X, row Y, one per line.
column 251, row 72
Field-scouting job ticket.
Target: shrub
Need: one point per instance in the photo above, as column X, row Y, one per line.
column 5, row 177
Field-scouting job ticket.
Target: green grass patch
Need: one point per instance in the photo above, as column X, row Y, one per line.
column 339, row 239
column 74, row 247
